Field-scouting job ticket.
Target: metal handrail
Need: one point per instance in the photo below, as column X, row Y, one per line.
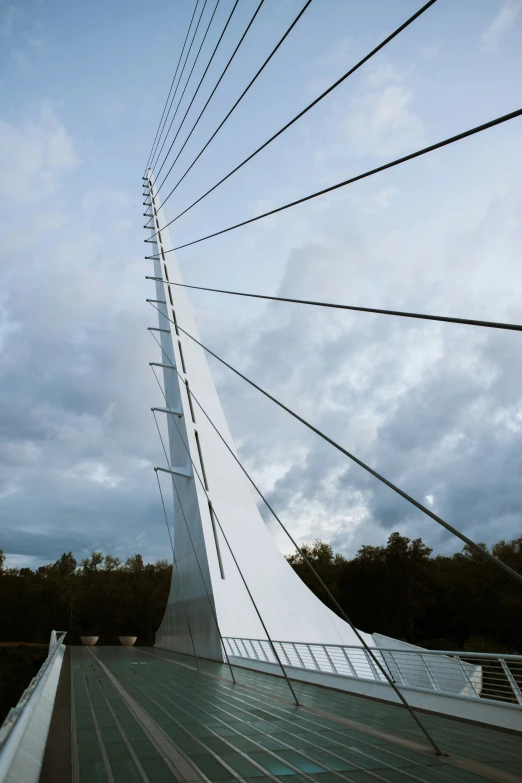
column 491, row 677
column 15, row 724
column 411, row 650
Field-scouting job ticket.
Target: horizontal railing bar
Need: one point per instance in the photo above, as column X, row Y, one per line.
column 16, row 712
column 396, row 650
column 500, row 700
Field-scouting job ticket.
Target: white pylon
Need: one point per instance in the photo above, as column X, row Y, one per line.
column 290, row 611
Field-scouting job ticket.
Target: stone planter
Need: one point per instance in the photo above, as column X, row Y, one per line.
column 127, row 641
column 89, row 641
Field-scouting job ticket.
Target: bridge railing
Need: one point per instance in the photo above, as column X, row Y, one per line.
column 481, row 676
column 23, row 734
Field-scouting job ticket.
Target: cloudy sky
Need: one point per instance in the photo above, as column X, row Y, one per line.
column 436, row 408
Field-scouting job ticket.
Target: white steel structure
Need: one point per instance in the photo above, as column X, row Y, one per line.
column 212, row 609
column 290, row 610
column 23, row 734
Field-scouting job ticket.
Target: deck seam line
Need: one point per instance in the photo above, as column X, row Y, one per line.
column 497, row 775
column 182, row 766
column 126, row 740
column 500, row 776
column 316, row 744
column 262, row 747
column 74, row 730
column 101, row 743
column 373, row 773
column 236, row 775
column 410, row 744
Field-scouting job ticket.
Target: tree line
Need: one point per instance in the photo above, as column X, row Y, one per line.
column 100, row 596
column 456, row 602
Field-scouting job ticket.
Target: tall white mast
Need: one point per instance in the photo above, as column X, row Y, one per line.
column 290, row 611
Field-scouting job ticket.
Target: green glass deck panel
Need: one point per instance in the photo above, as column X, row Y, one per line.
column 252, row 731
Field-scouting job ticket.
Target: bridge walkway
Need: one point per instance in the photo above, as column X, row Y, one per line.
column 147, row 715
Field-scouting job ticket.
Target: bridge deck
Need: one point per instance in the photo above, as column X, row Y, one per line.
column 141, row 714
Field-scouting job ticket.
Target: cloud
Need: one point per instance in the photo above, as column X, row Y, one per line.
column 92, row 470
column 73, row 360
column 383, row 74
column 261, row 206
column 502, row 24
column 11, row 14
column 383, row 123
column 435, row 408
column 33, row 156
column 430, row 52
column 21, row 33
column 382, row 199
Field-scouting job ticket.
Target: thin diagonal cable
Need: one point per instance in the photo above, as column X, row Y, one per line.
column 332, row 599
column 196, row 92
column 171, row 86
column 236, row 104
column 298, row 116
column 423, row 316
column 397, row 162
column 160, row 126
column 498, row 563
column 190, row 536
column 187, row 449
column 216, row 86
column 187, row 83
column 200, row 571
column 180, row 77
column 176, row 565
column 179, row 82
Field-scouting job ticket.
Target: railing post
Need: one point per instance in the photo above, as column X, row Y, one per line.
column 401, row 673
column 332, row 664
column 298, row 655
column 372, row 665
column 467, row 677
column 350, row 664
column 511, row 680
column 431, row 676
column 283, row 650
column 314, row 659
column 261, row 644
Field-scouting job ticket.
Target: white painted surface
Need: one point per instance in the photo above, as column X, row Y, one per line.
column 289, row 609
column 22, row 751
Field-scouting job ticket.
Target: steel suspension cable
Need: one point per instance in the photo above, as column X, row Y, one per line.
column 498, row 563
column 247, row 88
column 451, row 140
column 334, row 602
column 189, row 533
column 298, row 116
column 180, row 78
column 379, row 311
column 265, row 629
column 174, row 559
column 236, row 104
column 215, row 88
column 194, row 96
column 171, row 86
